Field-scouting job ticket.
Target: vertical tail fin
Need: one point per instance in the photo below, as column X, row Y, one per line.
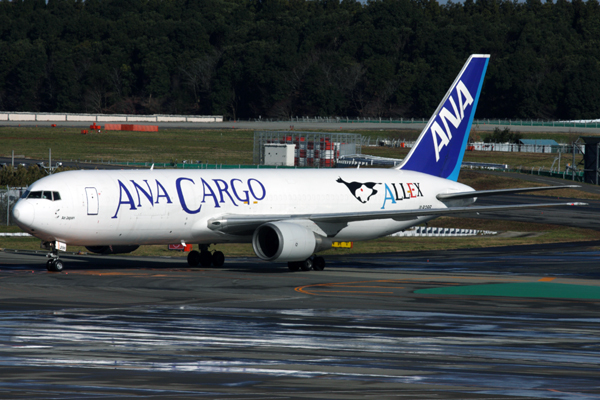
column 440, row 148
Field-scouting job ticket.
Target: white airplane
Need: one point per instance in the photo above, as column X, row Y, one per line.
column 287, row 214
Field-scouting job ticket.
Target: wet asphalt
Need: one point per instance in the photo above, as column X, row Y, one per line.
column 131, row 327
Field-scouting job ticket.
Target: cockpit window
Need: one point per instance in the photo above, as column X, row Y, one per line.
column 46, row 194
column 25, row 194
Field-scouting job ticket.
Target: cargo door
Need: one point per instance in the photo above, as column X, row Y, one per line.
column 92, row 200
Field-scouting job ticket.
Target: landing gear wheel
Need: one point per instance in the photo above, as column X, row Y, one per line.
column 306, row 265
column 318, row 263
column 218, row 259
column 54, row 265
column 193, row 258
column 294, row 266
column 205, row 259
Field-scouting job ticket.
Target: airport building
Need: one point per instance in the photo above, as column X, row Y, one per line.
column 304, row 149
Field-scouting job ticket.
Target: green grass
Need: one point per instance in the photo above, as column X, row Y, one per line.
column 208, row 146
column 520, row 289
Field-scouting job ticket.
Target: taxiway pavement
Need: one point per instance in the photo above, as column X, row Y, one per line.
column 366, row 327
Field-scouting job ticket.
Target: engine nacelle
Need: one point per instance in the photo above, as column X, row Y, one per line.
column 286, row 241
column 112, row 249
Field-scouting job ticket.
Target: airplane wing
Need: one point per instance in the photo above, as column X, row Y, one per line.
column 483, row 193
column 244, row 224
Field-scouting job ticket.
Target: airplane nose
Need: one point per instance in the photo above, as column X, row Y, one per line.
column 23, row 213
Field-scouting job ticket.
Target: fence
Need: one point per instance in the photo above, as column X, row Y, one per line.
column 573, row 175
column 476, row 122
column 481, row 146
column 8, row 197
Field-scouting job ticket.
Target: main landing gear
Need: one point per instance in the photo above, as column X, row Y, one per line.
column 316, row 263
column 205, row 258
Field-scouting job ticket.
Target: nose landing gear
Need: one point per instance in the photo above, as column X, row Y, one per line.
column 54, row 264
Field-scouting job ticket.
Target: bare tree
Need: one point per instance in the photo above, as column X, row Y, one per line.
column 198, row 74
column 116, row 81
column 93, row 100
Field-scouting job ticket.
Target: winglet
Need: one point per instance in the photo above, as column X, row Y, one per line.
column 440, row 148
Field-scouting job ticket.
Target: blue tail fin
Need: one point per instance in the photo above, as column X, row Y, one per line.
column 440, row 148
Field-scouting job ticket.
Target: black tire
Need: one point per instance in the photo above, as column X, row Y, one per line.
column 306, row 265
column 50, row 265
column 318, row 263
column 58, row 265
column 193, row 258
column 294, row 266
column 205, row 259
column 218, row 259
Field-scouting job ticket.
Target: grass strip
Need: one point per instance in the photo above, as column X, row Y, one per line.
column 521, row 289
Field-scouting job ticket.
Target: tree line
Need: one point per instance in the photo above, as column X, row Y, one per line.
column 23, row 176
column 283, row 58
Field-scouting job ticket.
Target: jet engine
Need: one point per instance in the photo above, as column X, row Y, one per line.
column 112, row 249
column 287, row 241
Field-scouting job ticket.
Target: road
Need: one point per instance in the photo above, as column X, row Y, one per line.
column 313, row 125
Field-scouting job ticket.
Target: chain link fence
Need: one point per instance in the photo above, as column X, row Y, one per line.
column 8, row 198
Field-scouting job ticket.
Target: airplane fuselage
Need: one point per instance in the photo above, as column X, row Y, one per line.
column 139, row 207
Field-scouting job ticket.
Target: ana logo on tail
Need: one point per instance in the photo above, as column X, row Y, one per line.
column 361, row 191
column 464, row 100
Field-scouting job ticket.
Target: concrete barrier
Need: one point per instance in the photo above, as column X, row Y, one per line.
column 151, row 118
column 111, row 118
column 170, row 118
column 55, row 117
column 51, row 117
column 207, row 118
column 21, row 117
column 81, row 117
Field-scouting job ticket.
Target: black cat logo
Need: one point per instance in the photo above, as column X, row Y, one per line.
column 362, row 191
